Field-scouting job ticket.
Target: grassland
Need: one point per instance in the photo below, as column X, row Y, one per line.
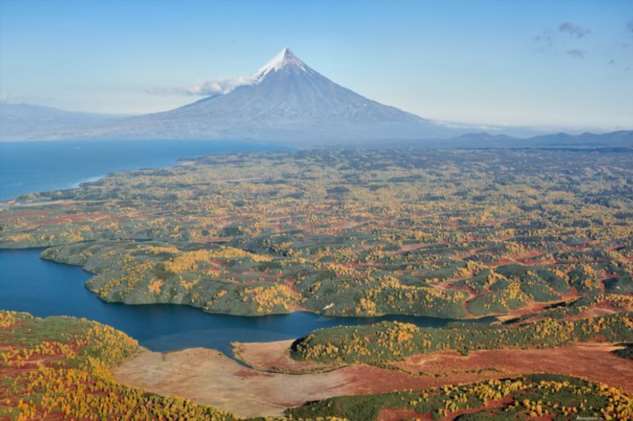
column 456, row 234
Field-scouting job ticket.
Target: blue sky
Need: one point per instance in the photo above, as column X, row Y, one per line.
column 539, row 63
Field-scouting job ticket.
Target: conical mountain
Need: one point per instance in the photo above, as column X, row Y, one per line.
column 284, row 101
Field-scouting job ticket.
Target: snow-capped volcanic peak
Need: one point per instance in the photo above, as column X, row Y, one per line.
column 284, row 101
column 283, row 59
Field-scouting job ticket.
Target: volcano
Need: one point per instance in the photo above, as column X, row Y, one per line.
column 285, row 101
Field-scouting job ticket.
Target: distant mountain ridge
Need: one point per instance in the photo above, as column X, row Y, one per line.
column 20, row 121
column 616, row 139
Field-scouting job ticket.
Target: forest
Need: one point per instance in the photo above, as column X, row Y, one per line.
column 539, row 396
column 459, row 234
column 388, row 341
column 59, row 367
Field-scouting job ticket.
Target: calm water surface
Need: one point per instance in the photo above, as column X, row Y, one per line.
column 28, row 167
column 28, row 283
column 43, row 288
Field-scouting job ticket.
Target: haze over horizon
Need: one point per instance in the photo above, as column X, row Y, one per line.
column 562, row 65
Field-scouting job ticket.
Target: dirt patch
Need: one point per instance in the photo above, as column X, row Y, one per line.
column 275, row 357
column 392, row 414
column 365, row 379
column 209, row 377
column 592, row 361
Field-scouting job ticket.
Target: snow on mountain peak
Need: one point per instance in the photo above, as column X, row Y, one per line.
column 282, row 59
column 285, row 58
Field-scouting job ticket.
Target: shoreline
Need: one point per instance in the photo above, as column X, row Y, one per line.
column 160, row 327
column 171, row 153
column 487, row 319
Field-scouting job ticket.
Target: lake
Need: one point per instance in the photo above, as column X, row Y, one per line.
column 27, row 167
column 43, row 288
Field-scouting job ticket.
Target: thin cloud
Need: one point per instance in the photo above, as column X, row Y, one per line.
column 219, row 87
column 544, row 39
column 548, row 37
column 574, row 29
column 575, row 53
column 207, row 88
